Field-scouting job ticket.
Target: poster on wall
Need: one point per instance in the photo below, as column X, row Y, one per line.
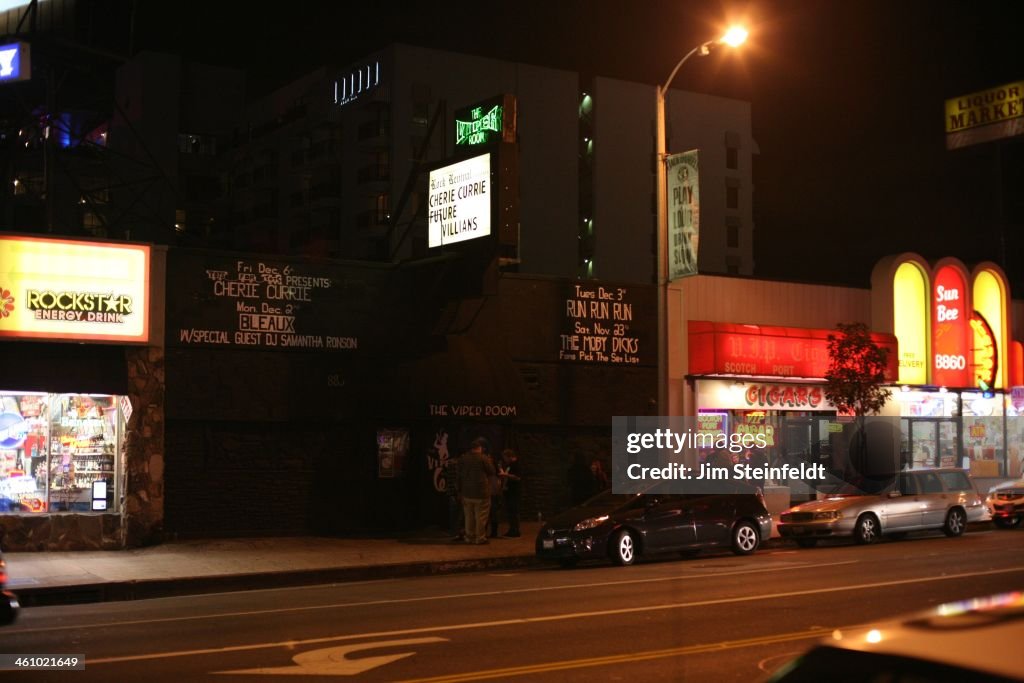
column 683, row 214
column 392, row 452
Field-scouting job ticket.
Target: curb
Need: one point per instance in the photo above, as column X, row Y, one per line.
column 113, row 591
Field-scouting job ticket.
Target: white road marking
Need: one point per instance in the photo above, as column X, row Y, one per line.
column 334, row 661
column 552, row 618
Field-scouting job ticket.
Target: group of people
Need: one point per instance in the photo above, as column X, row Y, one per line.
column 476, row 484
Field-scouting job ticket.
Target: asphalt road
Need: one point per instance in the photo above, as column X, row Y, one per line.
column 712, row 618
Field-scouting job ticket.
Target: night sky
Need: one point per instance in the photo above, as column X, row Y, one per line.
column 847, row 98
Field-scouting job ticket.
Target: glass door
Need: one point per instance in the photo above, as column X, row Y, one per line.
column 924, row 443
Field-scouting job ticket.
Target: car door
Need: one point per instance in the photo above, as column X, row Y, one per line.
column 668, row 524
column 904, row 511
column 934, row 500
column 713, row 517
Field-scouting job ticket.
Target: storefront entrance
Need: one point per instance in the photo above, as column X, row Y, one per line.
column 930, row 442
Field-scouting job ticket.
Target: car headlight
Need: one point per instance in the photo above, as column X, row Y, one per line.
column 590, row 523
column 828, row 515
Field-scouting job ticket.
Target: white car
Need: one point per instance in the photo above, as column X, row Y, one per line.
column 942, row 498
column 974, row 640
column 1006, row 503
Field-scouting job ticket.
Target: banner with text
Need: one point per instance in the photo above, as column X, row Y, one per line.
column 683, row 214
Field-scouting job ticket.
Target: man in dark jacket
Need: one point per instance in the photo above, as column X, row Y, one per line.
column 475, row 472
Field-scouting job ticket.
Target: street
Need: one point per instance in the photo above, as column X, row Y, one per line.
column 710, row 618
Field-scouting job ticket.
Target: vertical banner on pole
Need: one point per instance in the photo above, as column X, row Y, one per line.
column 683, row 214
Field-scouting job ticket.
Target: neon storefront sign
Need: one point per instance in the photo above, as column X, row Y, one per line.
column 984, row 361
column 950, row 340
column 74, row 290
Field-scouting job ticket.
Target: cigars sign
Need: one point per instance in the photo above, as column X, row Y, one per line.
column 74, row 290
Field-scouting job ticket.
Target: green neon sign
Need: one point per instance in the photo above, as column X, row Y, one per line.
column 482, row 129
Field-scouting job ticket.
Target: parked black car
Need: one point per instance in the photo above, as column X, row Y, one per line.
column 8, row 601
column 622, row 527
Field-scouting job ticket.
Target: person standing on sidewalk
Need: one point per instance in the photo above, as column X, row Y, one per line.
column 513, row 490
column 475, row 472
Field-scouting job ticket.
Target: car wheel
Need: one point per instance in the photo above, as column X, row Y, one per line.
column 624, row 549
column 807, row 542
column 569, row 562
column 867, row 530
column 956, row 520
column 745, row 538
column 1007, row 522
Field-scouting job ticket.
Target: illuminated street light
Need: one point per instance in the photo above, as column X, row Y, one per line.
column 733, row 37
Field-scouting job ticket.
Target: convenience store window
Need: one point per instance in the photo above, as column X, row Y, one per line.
column 59, row 452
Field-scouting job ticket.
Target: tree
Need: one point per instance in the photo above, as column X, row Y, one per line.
column 854, row 384
column 856, row 371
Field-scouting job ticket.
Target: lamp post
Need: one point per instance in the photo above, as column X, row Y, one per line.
column 733, row 37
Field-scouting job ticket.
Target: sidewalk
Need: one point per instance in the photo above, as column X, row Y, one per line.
column 215, row 565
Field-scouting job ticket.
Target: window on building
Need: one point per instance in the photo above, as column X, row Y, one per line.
column 732, row 150
column 732, row 265
column 732, row 158
column 732, row 197
column 732, row 234
column 382, row 213
column 60, row 453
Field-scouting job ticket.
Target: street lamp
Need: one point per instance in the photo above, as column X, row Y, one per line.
column 733, row 37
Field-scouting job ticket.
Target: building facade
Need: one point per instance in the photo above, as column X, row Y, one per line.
column 335, row 162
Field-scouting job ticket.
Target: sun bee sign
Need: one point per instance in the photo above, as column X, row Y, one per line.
column 459, row 201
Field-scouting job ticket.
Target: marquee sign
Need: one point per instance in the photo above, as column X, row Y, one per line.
column 459, row 201
column 74, row 290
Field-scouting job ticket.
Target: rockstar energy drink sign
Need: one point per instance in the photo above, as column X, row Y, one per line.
column 81, row 291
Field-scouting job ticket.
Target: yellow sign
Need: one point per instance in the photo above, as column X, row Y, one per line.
column 910, row 322
column 988, row 106
column 66, row 289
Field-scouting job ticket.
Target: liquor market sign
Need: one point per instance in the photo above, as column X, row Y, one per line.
column 255, row 303
column 74, row 290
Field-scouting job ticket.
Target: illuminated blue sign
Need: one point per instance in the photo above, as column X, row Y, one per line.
column 15, row 64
